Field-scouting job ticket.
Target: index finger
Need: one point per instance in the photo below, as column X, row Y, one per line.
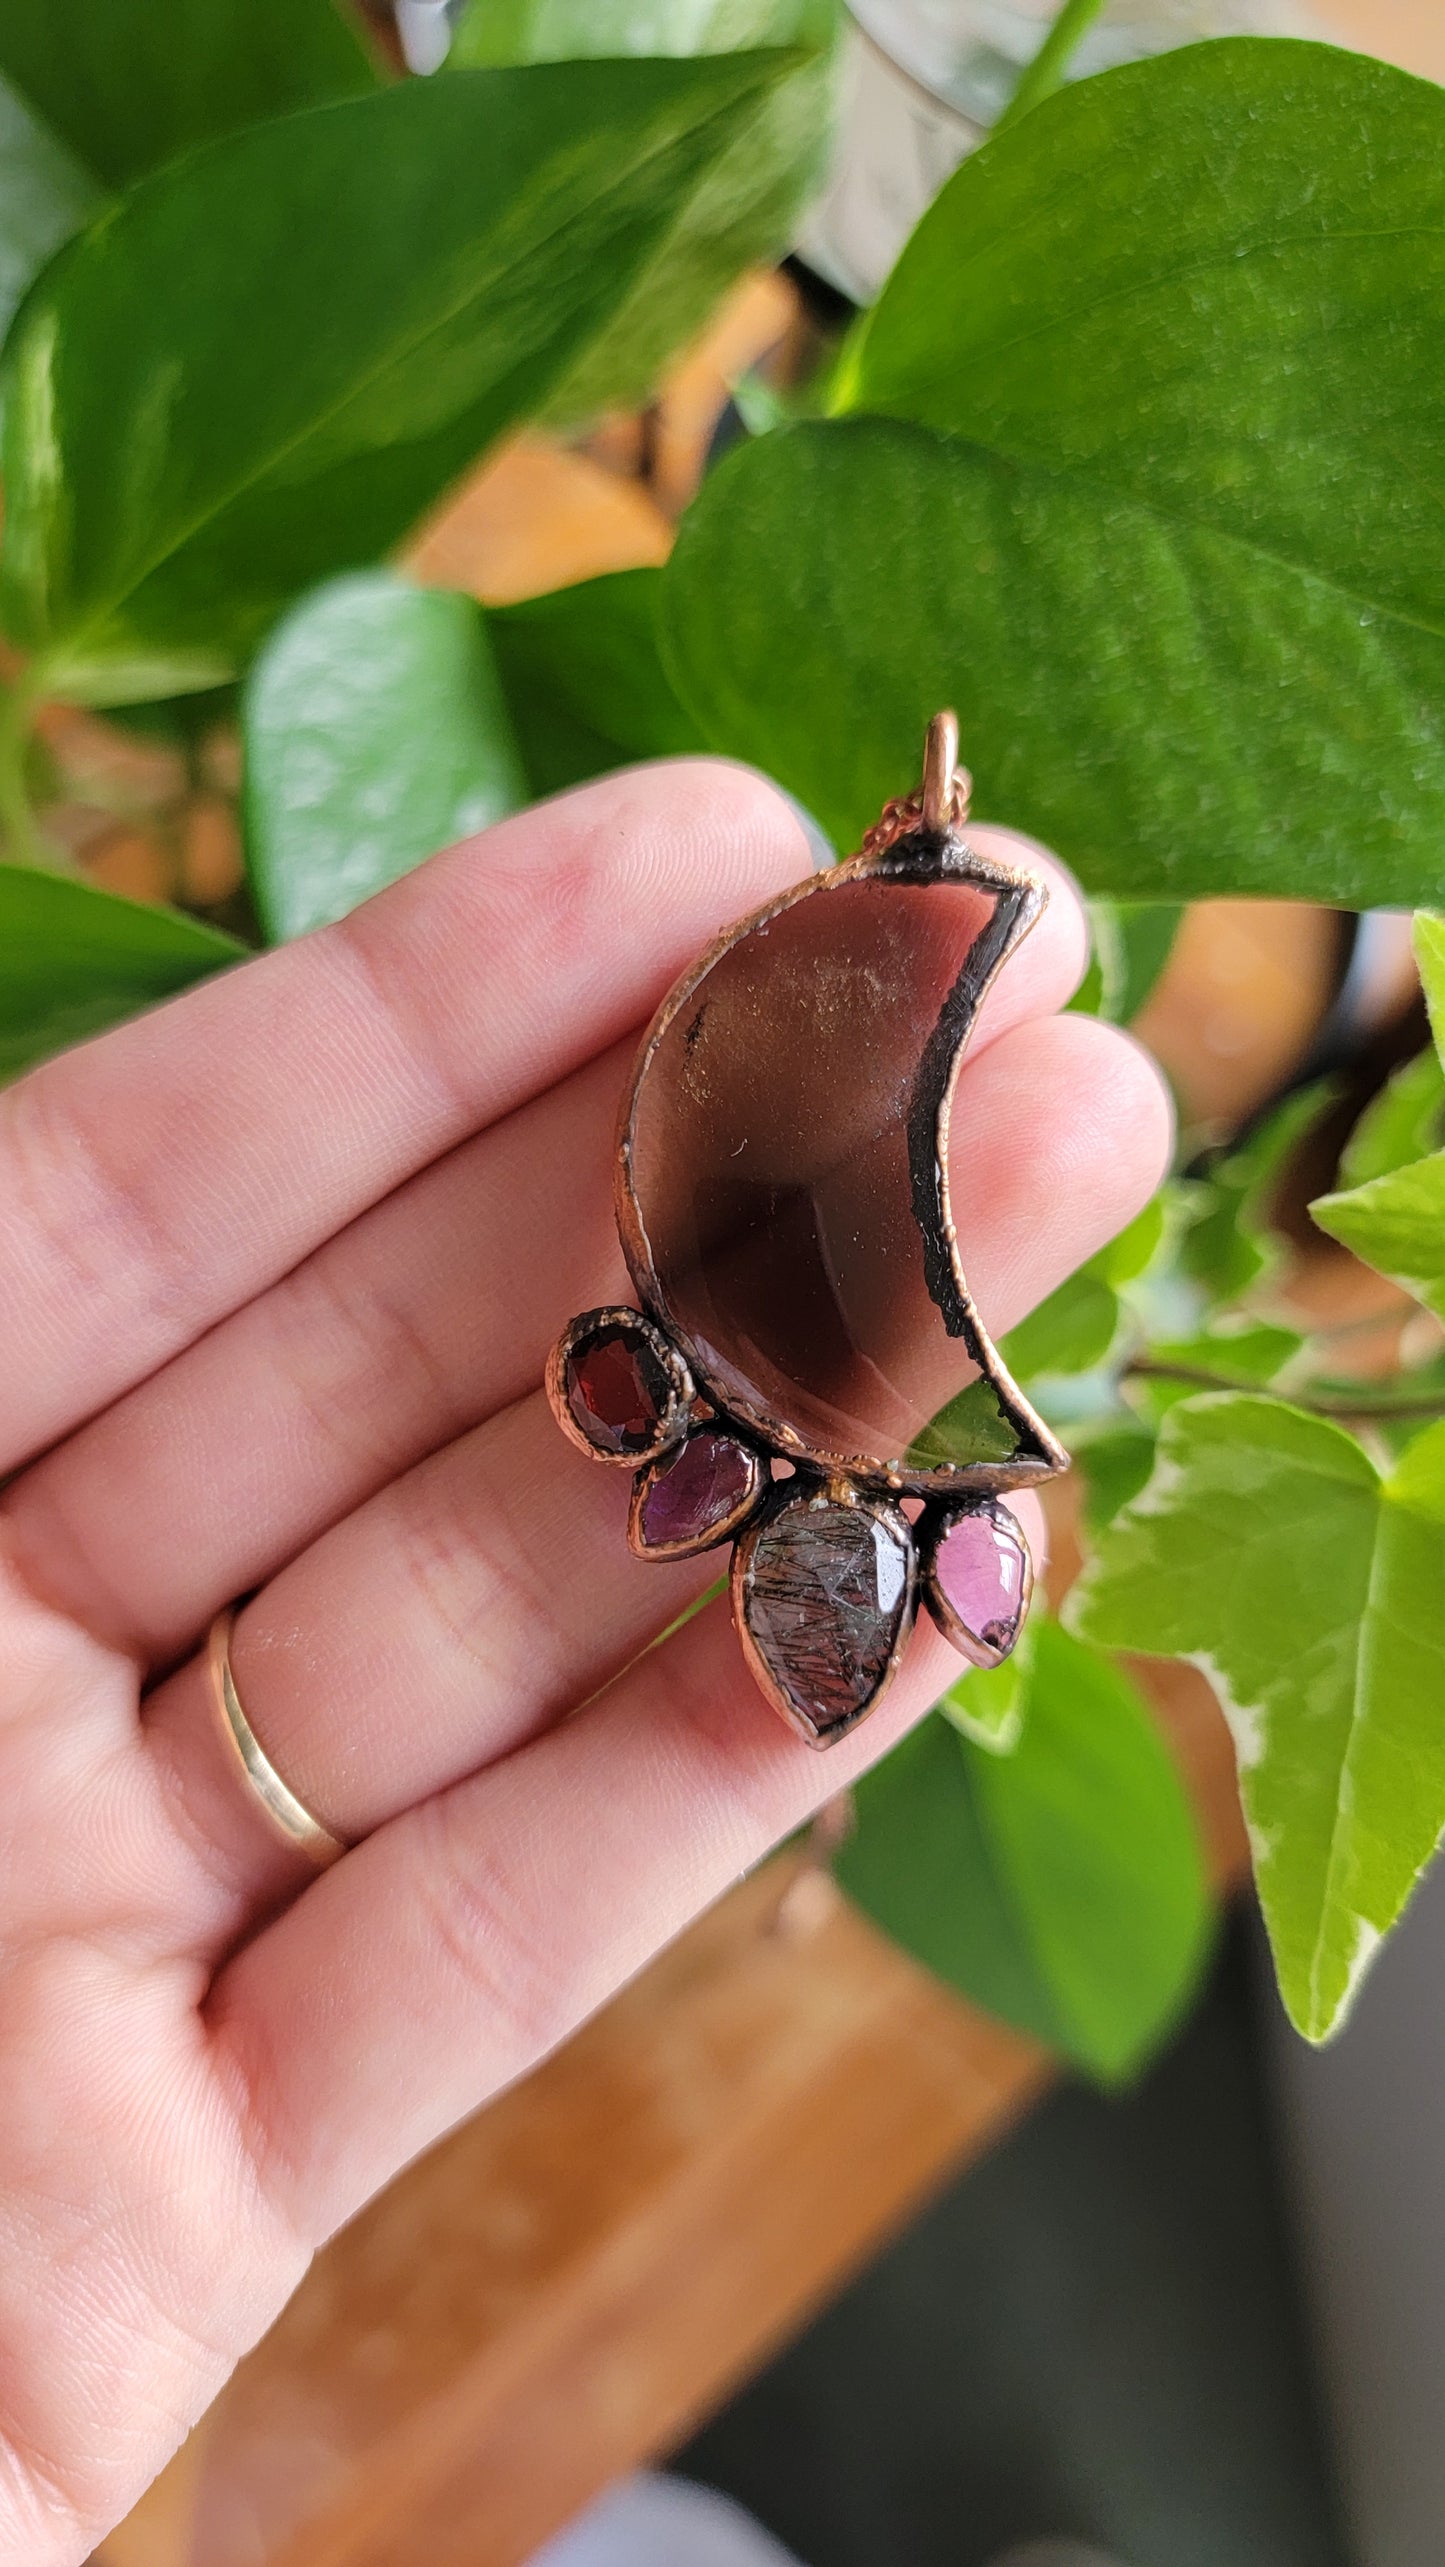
column 156, row 1179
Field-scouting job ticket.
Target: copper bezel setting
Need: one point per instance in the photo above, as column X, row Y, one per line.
column 917, row 840
column 758, row 1485
column 928, row 1534
column 789, row 1496
column 674, row 1419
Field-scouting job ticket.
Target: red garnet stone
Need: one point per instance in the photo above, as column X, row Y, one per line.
column 620, row 1389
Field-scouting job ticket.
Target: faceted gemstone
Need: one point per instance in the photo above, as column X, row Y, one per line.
column 619, row 1388
column 689, row 1494
column 981, row 1573
column 825, row 1593
column 782, row 1151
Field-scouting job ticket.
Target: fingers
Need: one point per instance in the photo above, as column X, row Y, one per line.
column 452, row 1951
column 154, row 1180
column 489, row 1590
column 1050, row 963
column 426, row 1316
column 422, row 1317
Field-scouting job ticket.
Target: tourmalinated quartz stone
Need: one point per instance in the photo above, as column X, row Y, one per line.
column 624, row 1389
column 696, row 1495
column 823, row 1592
column 978, row 1578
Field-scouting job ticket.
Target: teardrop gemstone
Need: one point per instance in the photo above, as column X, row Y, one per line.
column 978, row 1578
column 823, row 1595
column 696, row 1495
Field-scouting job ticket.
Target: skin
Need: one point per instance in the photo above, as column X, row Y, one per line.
column 279, row 1267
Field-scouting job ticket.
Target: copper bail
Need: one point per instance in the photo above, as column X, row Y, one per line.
column 940, row 783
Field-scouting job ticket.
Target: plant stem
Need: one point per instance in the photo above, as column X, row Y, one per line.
column 1045, row 73
column 24, row 844
column 1322, row 1403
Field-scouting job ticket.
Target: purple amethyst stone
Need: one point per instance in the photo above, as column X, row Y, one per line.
column 697, row 1490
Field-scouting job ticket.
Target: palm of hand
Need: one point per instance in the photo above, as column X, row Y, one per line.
column 278, row 1270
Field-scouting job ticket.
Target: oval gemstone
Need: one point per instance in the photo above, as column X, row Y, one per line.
column 692, row 1492
column 824, row 1593
column 619, row 1388
column 782, row 1152
column 982, row 1572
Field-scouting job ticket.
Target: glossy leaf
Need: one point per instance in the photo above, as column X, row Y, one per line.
column 987, row 1704
column 1114, row 1464
column 376, row 732
column 1403, row 1123
column 974, row 1427
column 1397, row 1224
column 1237, row 1353
column 45, row 196
column 1060, row 1886
column 74, row 960
column 584, row 679
column 1133, row 940
column 1429, row 940
column 1069, row 1332
column 129, row 83
column 1153, row 505
column 259, row 367
column 743, row 208
column 1268, row 1549
column 1230, row 1242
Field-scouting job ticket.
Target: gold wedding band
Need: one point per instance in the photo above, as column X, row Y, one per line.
column 290, row 1817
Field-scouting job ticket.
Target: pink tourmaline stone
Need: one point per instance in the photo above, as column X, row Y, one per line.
column 981, row 1568
column 697, row 1487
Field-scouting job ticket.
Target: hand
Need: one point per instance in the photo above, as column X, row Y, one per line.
column 279, row 1266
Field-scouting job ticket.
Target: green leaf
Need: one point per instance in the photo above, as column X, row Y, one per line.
column 1114, row 1463
column 45, row 196
column 74, row 960
column 1133, row 940
column 1231, row 1242
column 974, row 1427
column 1397, row 1224
column 1429, row 942
column 1154, row 502
column 1060, row 1886
column 1400, row 1124
column 129, row 83
column 1236, row 1352
column 1267, row 1549
column 987, row 1704
column 584, row 678
column 742, row 209
column 375, row 733
column 268, row 358
column 1069, row 1333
